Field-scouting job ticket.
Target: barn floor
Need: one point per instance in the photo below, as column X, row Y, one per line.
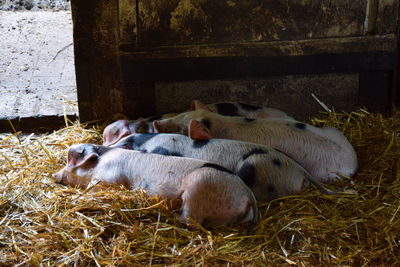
column 36, row 66
column 43, row 223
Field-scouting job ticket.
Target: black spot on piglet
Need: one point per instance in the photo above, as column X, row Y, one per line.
column 163, row 151
column 300, row 125
column 200, row 143
column 143, row 138
column 277, row 162
column 249, row 119
column 247, row 173
column 216, row 167
column 126, row 143
column 254, row 152
column 135, row 141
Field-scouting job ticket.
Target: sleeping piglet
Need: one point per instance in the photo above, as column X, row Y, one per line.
column 267, row 172
column 239, row 109
column 324, row 152
column 209, row 193
column 121, row 128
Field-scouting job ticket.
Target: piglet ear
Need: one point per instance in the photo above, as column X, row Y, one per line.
column 197, row 105
column 76, row 159
column 198, row 131
column 110, row 140
column 115, row 131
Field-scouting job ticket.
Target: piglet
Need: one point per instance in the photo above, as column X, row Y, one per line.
column 267, row 172
column 209, row 193
column 324, row 152
column 121, row 128
column 239, row 109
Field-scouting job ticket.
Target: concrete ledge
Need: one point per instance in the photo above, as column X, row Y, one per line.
column 37, row 70
column 38, row 124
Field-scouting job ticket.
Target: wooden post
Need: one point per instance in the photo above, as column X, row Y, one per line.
column 97, row 65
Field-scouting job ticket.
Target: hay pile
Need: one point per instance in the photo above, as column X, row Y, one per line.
column 42, row 223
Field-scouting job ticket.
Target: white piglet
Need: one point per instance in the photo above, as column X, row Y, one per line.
column 208, row 193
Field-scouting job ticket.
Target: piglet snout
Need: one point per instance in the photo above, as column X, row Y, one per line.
column 57, row 177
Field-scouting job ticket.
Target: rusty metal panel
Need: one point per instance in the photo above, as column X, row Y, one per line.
column 127, row 21
column 178, row 22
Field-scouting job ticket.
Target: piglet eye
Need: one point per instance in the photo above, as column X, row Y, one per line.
column 114, row 130
column 141, row 130
column 183, row 131
column 80, row 150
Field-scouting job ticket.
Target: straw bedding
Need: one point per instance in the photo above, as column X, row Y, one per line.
column 43, row 223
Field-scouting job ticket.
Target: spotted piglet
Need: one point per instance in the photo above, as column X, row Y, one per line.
column 121, row 128
column 324, row 152
column 239, row 109
column 208, row 193
column 266, row 171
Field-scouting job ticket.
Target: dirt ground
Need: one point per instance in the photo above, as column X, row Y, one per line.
column 37, row 76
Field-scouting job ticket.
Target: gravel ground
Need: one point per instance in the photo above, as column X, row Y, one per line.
column 35, row 5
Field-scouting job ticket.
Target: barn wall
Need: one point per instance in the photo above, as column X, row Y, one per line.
column 159, row 55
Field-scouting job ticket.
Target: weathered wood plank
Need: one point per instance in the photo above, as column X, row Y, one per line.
column 178, row 22
column 204, row 68
column 280, row 48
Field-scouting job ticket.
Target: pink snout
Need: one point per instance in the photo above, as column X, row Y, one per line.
column 57, row 177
